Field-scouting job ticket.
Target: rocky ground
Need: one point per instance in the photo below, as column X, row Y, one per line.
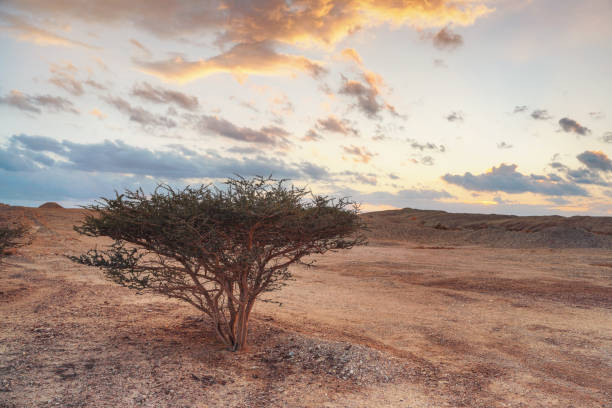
column 491, row 230
column 431, row 322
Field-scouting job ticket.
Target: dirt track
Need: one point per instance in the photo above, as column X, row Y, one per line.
column 394, row 324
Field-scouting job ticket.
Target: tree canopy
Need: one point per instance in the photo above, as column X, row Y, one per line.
column 217, row 249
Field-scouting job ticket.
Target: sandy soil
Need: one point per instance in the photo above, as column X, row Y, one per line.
column 394, row 324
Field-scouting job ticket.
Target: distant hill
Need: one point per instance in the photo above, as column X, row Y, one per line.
column 505, row 231
column 420, row 227
column 50, row 205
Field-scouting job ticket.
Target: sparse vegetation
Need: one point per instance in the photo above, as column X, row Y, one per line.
column 11, row 237
column 217, row 249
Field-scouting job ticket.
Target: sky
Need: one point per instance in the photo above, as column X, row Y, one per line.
column 491, row 106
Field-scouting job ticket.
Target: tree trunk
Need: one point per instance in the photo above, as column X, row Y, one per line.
column 242, row 326
column 241, row 330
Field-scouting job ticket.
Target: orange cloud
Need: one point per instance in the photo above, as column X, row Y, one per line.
column 97, row 113
column 27, row 32
column 252, row 27
column 426, row 13
column 101, row 64
column 361, row 153
column 305, row 22
column 351, row 54
column 326, row 22
column 242, row 60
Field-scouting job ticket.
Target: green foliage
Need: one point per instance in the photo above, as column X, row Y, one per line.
column 217, row 249
column 12, row 237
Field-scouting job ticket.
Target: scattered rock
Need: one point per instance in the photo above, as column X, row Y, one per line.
column 66, row 371
column 207, row 380
column 344, row 361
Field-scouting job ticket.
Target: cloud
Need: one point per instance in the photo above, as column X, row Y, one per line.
column 355, row 177
column 31, row 154
column 361, row 154
column 424, row 160
column 422, row 147
column 301, row 22
column 445, row 39
column 504, row 145
column 243, row 149
column 68, row 83
column 415, row 197
column 20, row 101
column 101, row 64
column 24, row 31
column 139, row 115
column 440, row 63
column 38, row 143
column 96, row 85
column 146, row 53
column 26, row 153
column 597, row 115
column 520, row 109
column 267, row 135
column 541, row 114
column 335, row 125
column 327, row 23
column 505, row 178
column 253, row 31
column 159, row 18
column 426, row 146
column 64, row 76
column 597, row 161
column 55, row 103
column 607, row 137
column 351, row 54
column 455, row 116
column 33, row 103
column 559, row 200
column 248, row 25
column 248, row 104
column 312, row 136
column 61, row 185
column 57, row 169
column 313, row 171
column 583, row 175
column 586, row 176
column 241, row 60
column 150, row 93
column 102, row 168
column 281, row 105
column 569, row 125
column 427, row 161
column 367, row 94
column 96, row 112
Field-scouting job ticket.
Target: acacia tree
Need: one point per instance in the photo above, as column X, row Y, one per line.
column 217, row 249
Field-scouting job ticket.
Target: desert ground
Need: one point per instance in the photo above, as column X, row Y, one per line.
column 439, row 310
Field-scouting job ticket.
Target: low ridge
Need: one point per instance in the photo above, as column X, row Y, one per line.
column 50, row 205
column 493, row 230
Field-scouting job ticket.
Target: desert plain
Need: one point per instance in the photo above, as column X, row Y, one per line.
column 439, row 310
